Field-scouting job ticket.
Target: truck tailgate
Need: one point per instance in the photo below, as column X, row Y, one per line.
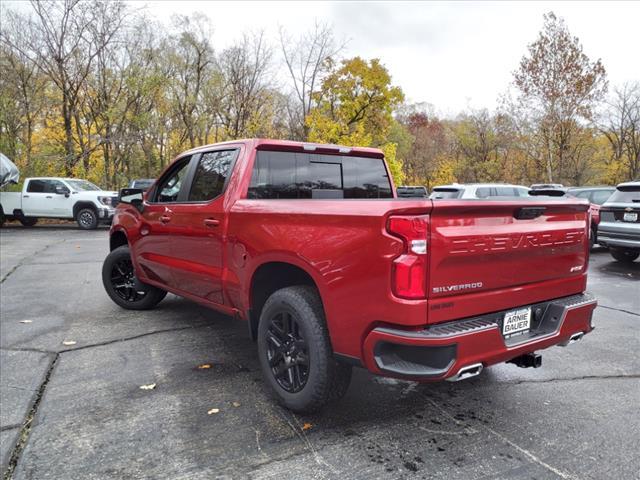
column 485, row 254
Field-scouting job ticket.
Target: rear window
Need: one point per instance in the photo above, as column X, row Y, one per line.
column 626, row 194
column 291, row 175
column 601, row 196
column 444, row 193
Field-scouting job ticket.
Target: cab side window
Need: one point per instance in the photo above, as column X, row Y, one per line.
column 170, row 185
column 36, row 186
column 44, row 186
column 211, row 175
column 51, row 185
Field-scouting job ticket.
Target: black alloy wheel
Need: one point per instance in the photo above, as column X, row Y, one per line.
column 124, row 282
column 287, row 352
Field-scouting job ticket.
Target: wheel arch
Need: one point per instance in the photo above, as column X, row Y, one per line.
column 81, row 204
column 117, row 239
column 269, row 277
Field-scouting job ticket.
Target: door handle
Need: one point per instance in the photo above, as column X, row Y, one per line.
column 211, row 222
column 48, row 196
column 165, row 218
column 25, row 196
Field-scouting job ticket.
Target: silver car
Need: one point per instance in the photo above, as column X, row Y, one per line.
column 619, row 227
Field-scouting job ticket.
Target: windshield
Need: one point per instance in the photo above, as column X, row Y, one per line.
column 83, row 185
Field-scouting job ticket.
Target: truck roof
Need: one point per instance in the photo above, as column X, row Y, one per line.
column 290, row 145
column 54, row 178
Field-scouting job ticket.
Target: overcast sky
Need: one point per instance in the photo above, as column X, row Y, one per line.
column 449, row 54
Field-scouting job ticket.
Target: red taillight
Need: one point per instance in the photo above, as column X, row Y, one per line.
column 409, row 270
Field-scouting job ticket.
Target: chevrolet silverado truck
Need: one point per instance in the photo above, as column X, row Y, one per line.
column 311, row 247
column 61, row 198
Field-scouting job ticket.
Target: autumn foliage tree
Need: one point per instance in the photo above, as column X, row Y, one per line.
column 355, row 106
column 559, row 87
column 104, row 91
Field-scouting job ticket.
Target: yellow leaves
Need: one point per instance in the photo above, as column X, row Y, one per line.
column 69, row 342
column 150, row 386
column 355, row 104
column 213, row 411
column 235, row 404
column 307, row 426
column 204, row 366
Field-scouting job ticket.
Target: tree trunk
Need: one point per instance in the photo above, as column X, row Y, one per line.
column 69, row 160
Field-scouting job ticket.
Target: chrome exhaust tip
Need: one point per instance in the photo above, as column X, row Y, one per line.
column 576, row 337
column 467, row 372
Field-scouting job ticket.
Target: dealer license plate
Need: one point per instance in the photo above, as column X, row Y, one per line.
column 630, row 217
column 516, row 321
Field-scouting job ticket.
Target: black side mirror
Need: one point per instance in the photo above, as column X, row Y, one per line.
column 133, row 196
column 61, row 190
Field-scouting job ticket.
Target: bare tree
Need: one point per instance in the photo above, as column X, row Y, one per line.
column 22, row 88
column 307, row 59
column 192, row 62
column 621, row 126
column 59, row 38
column 559, row 87
column 246, row 71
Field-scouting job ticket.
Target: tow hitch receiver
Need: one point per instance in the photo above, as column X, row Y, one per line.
column 528, row 360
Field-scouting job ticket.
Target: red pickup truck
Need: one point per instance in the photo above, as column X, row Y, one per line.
column 310, row 246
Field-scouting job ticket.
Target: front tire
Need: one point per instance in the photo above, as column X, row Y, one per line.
column 295, row 351
column 121, row 284
column 624, row 256
column 87, row 219
column 28, row 221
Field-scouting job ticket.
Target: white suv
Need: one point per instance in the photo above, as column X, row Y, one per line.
column 478, row 190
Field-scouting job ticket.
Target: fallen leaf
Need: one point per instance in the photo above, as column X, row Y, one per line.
column 307, row 426
column 212, row 411
column 77, row 246
column 151, row 386
column 69, row 342
column 204, row 366
column 26, row 321
column 236, row 404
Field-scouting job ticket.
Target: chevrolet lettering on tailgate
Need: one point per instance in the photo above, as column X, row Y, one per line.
column 488, row 243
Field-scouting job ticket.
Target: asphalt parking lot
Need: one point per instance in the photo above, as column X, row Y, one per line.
column 72, row 364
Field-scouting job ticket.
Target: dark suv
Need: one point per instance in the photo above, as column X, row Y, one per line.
column 596, row 196
column 619, row 227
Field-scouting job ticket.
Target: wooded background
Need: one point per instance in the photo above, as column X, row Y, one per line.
column 101, row 91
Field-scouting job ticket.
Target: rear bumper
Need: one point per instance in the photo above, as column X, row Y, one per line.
column 625, row 235
column 440, row 351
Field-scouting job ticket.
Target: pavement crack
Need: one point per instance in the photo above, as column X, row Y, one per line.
column 134, row 337
column 573, row 379
column 28, row 349
column 22, row 260
column 619, row 310
column 4, row 428
column 25, row 431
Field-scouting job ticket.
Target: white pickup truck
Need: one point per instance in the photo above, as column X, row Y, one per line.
column 64, row 198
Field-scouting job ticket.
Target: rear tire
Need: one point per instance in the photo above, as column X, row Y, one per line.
column 28, row 221
column 295, row 351
column 121, row 284
column 87, row 219
column 624, row 256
